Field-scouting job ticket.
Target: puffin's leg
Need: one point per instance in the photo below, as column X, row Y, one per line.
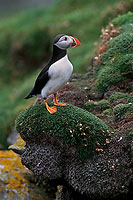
column 51, row 109
column 56, row 102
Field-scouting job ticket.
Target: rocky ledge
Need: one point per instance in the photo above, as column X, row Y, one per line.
column 75, row 149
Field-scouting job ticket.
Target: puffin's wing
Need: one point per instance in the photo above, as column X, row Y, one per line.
column 40, row 82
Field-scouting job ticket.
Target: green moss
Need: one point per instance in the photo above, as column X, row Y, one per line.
column 122, row 110
column 130, row 132
column 108, row 111
column 119, row 95
column 94, row 105
column 123, row 19
column 72, row 125
column 114, row 72
column 103, row 104
column 90, row 105
column 116, row 64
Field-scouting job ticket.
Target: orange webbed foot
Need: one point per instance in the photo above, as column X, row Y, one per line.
column 56, row 102
column 52, row 109
column 59, row 104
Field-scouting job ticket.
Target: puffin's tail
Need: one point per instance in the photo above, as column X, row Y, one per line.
column 29, row 96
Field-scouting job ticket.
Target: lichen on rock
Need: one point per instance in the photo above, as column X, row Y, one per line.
column 18, row 146
column 71, row 125
column 15, row 179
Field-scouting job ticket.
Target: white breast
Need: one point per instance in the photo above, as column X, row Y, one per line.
column 59, row 73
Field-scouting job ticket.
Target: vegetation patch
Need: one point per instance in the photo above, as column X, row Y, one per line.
column 90, row 105
column 97, row 105
column 108, row 112
column 73, row 126
column 116, row 63
column 119, row 95
column 122, row 110
column 104, row 104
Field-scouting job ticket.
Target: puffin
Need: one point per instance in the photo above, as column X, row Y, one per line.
column 56, row 73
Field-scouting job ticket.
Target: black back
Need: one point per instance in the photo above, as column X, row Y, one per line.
column 43, row 77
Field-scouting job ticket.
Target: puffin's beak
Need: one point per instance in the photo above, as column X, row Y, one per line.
column 75, row 42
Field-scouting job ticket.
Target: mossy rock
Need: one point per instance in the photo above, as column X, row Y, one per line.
column 90, row 105
column 113, row 72
column 71, row 125
column 94, row 105
column 104, row 104
column 116, row 64
column 108, row 111
column 122, row 110
column 119, row 95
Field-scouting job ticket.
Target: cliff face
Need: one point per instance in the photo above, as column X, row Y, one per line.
column 75, row 148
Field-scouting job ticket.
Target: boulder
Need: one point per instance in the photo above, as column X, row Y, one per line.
column 73, row 148
column 16, row 181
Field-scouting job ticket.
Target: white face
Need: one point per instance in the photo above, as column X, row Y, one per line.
column 64, row 42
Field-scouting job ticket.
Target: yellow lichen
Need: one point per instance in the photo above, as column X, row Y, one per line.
column 15, row 182
column 12, row 166
column 19, row 144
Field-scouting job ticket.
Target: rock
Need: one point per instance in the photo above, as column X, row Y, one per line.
column 99, row 106
column 71, row 126
column 18, row 146
column 16, row 181
column 126, row 125
column 95, row 95
column 108, row 175
column 74, row 94
column 122, row 110
column 105, row 175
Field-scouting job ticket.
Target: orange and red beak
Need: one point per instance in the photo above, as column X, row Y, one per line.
column 75, row 42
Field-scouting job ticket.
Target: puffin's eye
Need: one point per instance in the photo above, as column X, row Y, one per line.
column 65, row 38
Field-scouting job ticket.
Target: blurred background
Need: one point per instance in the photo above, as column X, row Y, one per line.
column 8, row 7
column 27, row 29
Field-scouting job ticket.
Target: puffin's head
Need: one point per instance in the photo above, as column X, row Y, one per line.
column 64, row 41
